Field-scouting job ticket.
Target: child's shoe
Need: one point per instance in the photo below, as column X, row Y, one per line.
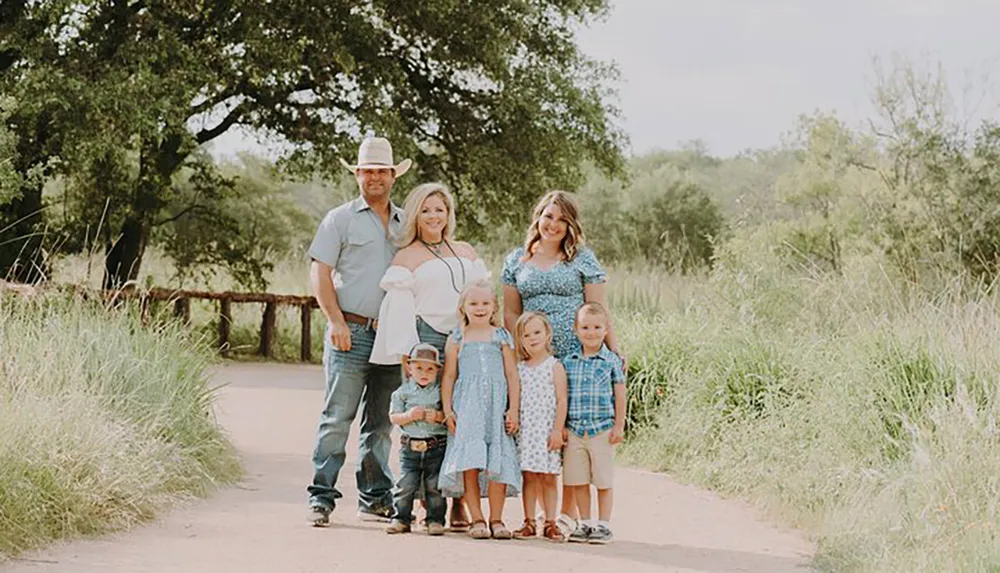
column 566, row 525
column 553, row 533
column 397, row 526
column 527, row 531
column 435, row 528
column 581, row 535
column 499, row 530
column 601, row 535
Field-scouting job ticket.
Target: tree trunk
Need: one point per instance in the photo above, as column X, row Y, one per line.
column 124, row 256
column 21, row 256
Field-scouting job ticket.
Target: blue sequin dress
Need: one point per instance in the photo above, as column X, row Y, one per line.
column 557, row 292
column 480, row 400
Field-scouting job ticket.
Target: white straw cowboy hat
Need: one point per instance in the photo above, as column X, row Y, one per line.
column 376, row 153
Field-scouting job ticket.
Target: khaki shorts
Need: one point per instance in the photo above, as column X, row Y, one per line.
column 589, row 460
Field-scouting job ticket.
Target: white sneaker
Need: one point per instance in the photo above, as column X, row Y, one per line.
column 566, row 525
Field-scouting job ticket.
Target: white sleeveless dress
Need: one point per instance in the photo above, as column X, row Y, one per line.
column 538, row 414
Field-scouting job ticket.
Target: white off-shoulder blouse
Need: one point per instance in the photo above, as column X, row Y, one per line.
column 428, row 292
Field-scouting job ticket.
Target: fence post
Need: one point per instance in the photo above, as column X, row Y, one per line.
column 305, row 352
column 225, row 324
column 267, row 329
column 144, row 309
column 182, row 309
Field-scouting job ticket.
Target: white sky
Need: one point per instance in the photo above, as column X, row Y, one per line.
column 737, row 73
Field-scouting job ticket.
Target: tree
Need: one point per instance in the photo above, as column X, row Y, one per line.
column 493, row 97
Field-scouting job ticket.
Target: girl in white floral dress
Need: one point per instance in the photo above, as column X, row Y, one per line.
column 543, row 416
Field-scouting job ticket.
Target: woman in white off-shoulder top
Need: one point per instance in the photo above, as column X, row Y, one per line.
column 422, row 286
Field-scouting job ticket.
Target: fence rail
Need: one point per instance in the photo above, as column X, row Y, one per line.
column 182, row 309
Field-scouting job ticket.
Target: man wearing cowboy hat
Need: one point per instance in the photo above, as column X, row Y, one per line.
column 355, row 241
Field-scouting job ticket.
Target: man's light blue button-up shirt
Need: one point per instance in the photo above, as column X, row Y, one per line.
column 352, row 240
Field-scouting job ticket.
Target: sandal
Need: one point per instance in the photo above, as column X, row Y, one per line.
column 479, row 530
column 459, row 525
column 499, row 530
column 528, row 530
column 552, row 532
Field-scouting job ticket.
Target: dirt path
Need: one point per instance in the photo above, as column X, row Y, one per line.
column 270, row 412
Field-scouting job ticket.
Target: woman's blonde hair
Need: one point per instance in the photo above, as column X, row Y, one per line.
column 522, row 324
column 574, row 238
column 484, row 284
column 411, row 209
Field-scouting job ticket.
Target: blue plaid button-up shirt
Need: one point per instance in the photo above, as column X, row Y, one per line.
column 590, row 382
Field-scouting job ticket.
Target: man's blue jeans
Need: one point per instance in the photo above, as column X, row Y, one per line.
column 420, row 470
column 353, row 383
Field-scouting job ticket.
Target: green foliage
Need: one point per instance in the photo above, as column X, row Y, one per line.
column 10, row 180
column 242, row 231
column 657, row 217
column 126, row 92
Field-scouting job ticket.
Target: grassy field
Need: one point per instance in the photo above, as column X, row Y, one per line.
column 859, row 407
column 103, row 423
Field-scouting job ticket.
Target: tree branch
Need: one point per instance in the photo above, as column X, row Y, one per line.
column 185, row 211
column 234, row 116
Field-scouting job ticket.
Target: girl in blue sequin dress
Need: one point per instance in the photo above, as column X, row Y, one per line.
column 480, row 392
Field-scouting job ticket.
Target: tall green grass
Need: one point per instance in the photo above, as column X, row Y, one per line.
column 102, row 422
column 858, row 407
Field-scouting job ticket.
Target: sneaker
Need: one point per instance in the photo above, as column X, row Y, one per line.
column 581, row 535
column 319, row 516
column 601, row 535
column 397, row 526
column 566, row 525
column 435, row 528
column 381, row 514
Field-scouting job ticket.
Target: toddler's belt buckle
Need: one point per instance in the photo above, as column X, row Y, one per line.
column 418, row 446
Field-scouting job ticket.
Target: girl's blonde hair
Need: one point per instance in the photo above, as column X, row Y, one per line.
column 411, row 209
column 522, row 324
column 484, row 284
column 574, row 238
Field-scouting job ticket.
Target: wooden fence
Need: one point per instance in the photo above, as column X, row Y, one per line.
column 182, row 309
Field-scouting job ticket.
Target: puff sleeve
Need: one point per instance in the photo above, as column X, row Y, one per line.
column 479, row 271
column 511, row 264
column 590, row 269
column 397, row 318
column 502, row 337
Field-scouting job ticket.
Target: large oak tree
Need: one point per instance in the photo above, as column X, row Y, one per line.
column 492, row 96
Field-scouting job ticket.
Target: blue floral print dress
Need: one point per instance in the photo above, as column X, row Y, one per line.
column 557, row 292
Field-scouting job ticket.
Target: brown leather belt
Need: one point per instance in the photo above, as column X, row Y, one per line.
column 362, row 320
column 422, row 444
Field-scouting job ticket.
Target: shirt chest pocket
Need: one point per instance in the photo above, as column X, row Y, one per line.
column 362, row 235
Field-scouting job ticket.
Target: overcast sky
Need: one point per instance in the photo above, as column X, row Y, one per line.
column 737, row 73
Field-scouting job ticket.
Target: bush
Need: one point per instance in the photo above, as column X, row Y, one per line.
column 104, row 422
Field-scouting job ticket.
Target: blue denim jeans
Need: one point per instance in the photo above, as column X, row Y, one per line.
column 353, row 383
column 426, row 333
column 420, row 470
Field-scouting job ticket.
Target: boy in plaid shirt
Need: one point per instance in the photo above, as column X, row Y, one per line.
column 595, row 420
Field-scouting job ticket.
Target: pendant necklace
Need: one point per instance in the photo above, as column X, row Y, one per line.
column 434, row 249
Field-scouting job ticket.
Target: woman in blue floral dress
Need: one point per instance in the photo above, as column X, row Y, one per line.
column 554, row 273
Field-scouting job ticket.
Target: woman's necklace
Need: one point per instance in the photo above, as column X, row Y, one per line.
column 435, row 249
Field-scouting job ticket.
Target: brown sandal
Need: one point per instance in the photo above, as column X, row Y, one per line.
column 552, row 532
column 479, row 530
column 528, row 530
column 499, row 530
